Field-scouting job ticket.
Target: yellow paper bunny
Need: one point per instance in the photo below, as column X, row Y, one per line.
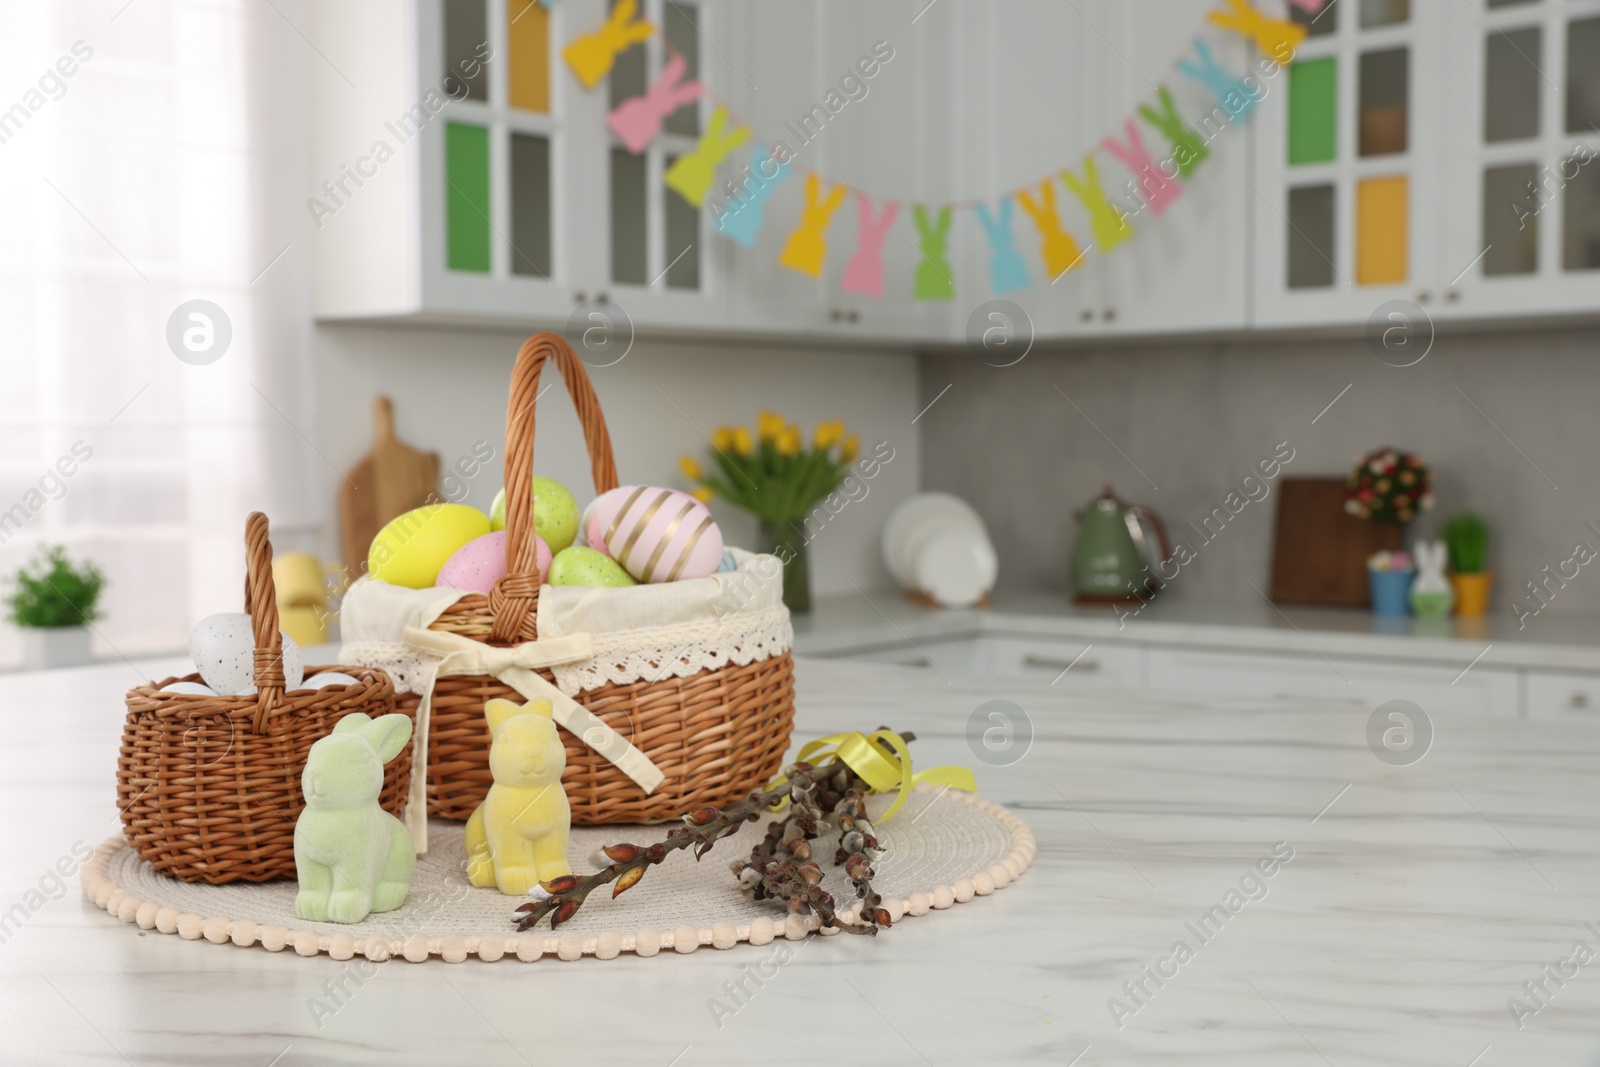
column 518, row 836
column 807, row 248
column 592, row 55
column 693, row 173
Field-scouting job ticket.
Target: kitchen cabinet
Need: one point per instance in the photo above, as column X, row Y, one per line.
column 1408, row 153
column 483, row 205
column 1523, row 101
column 1349, row 170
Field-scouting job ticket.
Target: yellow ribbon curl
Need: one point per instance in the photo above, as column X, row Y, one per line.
column 882, row 769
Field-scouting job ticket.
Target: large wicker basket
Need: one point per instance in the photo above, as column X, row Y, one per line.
column 209, row 786
column 715, row 735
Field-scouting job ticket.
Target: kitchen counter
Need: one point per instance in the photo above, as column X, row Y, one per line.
column 1414, row 902
column 846, row 623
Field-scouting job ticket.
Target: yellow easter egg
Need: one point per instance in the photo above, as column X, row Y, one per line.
column 412, row 549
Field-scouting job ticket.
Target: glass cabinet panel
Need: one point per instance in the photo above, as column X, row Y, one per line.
column 1382, row 226
column 467, row 196
column 1384, row 101
column 1511, row 85
column 1313, row 110
column 1311, row 249
column 1510, row 220
column 530, row 205
column 528, row 65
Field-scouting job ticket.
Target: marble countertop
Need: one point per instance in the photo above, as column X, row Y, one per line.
column 1414, row 902
column 845, row 622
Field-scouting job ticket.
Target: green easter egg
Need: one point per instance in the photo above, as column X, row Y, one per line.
column 411, row 550
column 577, row 565
column 555, row 513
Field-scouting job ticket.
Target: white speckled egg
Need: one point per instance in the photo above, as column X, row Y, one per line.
column 327, row 678
column 481, row 562
column 658, row 535
column 223, row 650
column 193, row 689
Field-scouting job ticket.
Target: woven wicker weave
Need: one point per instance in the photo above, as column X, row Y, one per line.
column 715, row 735
column 209, row 787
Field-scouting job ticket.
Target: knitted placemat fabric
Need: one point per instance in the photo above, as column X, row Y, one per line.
column 942, row 848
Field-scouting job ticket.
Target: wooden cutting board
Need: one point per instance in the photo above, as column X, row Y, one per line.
column 1319, row 552
column 390, row 481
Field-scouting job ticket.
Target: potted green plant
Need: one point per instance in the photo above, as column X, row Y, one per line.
column 53, row 601
column 1467, row 536
column 780, row 480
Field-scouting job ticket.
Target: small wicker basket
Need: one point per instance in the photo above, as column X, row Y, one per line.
column 209, row 786
column 715, row 735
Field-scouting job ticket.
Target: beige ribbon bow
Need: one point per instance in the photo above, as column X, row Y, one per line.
column 515, row 667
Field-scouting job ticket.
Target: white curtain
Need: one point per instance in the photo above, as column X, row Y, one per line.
column 154, row 152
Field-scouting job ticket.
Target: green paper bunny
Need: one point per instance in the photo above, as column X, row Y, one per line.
column 352, row 857
column 1188, row 148
column 934, row 280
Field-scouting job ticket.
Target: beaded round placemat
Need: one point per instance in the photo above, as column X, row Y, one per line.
column 942, row 848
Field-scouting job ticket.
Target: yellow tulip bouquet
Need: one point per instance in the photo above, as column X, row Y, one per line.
column 776, row 477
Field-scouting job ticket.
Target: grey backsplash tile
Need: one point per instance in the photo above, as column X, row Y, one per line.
column 1191, row 420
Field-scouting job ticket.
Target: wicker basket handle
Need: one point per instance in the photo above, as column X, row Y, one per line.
column 261, row 603
column 515, row 598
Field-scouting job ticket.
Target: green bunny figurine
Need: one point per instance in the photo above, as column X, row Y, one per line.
column 352, row 857
column 517, row 838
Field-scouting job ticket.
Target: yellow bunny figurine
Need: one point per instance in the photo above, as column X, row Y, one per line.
column 518, row 836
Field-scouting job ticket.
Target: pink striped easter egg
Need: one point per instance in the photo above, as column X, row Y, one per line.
column 658, row 535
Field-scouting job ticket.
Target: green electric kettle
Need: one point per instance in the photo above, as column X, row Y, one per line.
column 1115, row 559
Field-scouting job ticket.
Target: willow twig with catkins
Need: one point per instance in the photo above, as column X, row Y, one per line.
column 782, row 867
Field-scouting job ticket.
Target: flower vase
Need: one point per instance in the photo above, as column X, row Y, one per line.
column 1389, row 592
column 789, row 545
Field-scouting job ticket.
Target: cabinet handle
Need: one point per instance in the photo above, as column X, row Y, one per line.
column 1423, row 296
column 602, row 298
column 580, row 297
column 1452, row 295
column 1579, row 701
column 1109, row 314
column 855, row 316
column 1054, row 664
column 1086, row 315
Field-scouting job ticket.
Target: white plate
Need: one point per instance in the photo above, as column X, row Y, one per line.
column 917, row 512
column 956, row 567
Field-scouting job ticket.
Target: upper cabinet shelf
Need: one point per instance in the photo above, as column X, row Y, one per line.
column 1412, row 150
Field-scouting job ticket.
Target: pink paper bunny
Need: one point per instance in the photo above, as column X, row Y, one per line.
column 637, row 121
column 1158, row 189
column 864, row 272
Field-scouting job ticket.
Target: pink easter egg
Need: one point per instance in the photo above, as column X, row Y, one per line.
column 658, row 535
column 481, row 562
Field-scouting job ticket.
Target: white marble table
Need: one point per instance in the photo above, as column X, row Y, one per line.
column 1418, row 900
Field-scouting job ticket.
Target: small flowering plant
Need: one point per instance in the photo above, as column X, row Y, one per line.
column 773, row 474
column 1389, row 486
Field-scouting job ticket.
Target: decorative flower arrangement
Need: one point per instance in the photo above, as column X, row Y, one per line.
column 1389, row 486
column 773, row 475
column 778, row 479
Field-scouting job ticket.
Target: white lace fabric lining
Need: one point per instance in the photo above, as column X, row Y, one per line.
column 639, row 633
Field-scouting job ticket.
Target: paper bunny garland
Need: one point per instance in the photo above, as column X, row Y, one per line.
column 637, row 121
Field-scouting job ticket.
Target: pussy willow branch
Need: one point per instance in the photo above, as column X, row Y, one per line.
column 779, row 868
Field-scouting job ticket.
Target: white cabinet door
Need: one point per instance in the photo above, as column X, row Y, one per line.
column 1205, row 673
column 1185, row 268
column 1523, row 160
column 1348, row 182
column 1025, row 129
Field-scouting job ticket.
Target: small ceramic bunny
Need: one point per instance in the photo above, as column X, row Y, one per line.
column 1431, row 595
column 352, row 857
column 518, row 836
